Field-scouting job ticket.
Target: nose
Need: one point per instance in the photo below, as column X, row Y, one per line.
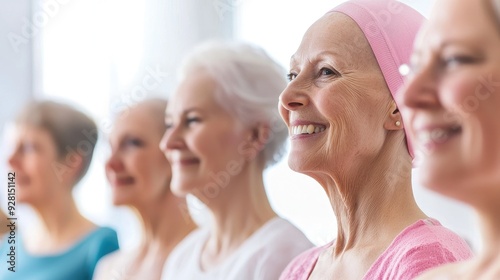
column 172, row 139
column 114, row 162
column 14, row 160
column 292, row 98
column 421, row 91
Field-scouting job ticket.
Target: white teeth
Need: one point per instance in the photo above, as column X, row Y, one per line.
column 310, row 128
column 438, row 135
column 306, row 129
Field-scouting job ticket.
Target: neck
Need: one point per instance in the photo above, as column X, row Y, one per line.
column 165, row 222
column 370, row 207
column 61, row 224
column 490, row 229
column 239, row 209
column 60, row 217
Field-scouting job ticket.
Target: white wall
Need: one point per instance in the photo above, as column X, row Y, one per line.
column 15, row 70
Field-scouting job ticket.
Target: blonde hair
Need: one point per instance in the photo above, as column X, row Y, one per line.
column 70, row 129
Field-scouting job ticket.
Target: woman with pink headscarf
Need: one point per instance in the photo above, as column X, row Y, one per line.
column 347, row 133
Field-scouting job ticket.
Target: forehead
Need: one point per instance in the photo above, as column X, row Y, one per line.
column 194, row 91
column 457, row 20
column 338, row 35
column 22, row 131
column 138, row 118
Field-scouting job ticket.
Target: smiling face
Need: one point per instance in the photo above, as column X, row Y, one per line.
column 137, row 170
column 202, row 139
column 33, row 162
column 337, row 102
column 452, row 100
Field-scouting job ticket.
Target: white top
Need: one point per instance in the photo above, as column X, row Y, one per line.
column 263, row 256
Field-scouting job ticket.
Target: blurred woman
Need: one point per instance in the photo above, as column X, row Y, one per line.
column 347, row 133
column 140, row 177
column 223, row 130
column 53, row 150
column 451, row 105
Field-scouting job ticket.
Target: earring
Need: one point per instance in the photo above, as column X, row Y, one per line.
column 398, row 123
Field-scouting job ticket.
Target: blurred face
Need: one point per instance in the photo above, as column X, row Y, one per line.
column 337, row 101
column 137, row 170
column 34, row 161
column 205, row 144
column 452, row 100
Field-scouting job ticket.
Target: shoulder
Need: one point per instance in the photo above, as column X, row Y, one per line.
column 99, row 243
column 106, row 264
column 424, row 245
column 185, row 257
column 104, row 233
column 187, row 247
column 102, row 241
column 301, row 266
column 447, row 271
column 283, row 235
column 429, row 236
column 276, row 244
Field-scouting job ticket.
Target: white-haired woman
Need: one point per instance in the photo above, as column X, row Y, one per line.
column 223, row 130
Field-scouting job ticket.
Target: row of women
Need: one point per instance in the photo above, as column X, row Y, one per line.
column 355, row 124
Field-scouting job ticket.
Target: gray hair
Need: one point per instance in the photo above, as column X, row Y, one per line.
column 249, row 84
column 493, row 8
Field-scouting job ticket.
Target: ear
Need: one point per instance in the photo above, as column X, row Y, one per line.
column 394, row 120
column 260, row 134
column 68, row 169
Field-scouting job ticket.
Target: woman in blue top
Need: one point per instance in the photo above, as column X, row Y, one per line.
column 54, row 144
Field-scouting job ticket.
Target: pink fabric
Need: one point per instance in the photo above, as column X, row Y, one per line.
column 419, row 247
column 390, row 27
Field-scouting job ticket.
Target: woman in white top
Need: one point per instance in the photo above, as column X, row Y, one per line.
column 140, row 175
column 223, row 130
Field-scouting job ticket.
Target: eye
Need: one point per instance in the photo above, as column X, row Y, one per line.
column 168, row 125
column 28, row 147
column 133, row 142
column 291, row 76
column 326, row 71
column 192, row 120
column 457, row 60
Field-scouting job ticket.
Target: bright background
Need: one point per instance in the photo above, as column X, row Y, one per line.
column 95, row 54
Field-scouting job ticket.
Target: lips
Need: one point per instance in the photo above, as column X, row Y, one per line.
column 123, row 181
column 22, row 180
column 306, row 129
column 437, row 135
column 185, row 162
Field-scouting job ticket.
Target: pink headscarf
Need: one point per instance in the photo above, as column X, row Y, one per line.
column 390, row 27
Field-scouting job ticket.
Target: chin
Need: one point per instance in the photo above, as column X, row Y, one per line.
column 180, row 189
column 442, row 182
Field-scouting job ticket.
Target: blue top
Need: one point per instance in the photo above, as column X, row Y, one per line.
column 76, row 263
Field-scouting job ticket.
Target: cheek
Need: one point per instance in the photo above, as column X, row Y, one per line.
column 461, row 95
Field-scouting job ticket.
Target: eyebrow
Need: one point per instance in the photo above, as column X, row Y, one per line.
column 186, row 111
column 319, row 56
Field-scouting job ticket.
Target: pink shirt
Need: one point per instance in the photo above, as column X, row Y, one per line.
column 422, row 245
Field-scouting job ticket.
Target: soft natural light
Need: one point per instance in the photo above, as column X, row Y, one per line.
column 94, row 52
